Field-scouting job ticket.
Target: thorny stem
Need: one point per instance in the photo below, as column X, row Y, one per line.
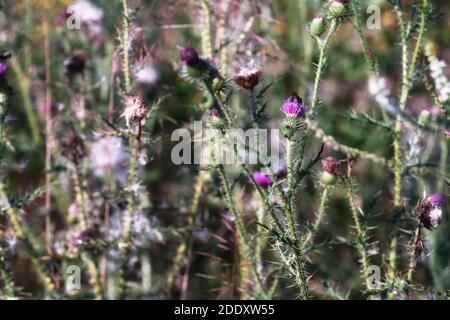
column 301, row 278
column 86, row 257
column 207, row 29
column 48, row 137
column 240, row 228
column 16, row 223
column 202, row 177
column 407, row 78
column 320, row 65
column 413, row 258
column 125, row 47
column 319, row 218
column 360, row 234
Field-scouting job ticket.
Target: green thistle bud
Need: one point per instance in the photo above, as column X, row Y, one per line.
column 289, row 127
column 337, row 8
column 424, row 117
column 328, row 179
column 317, row 26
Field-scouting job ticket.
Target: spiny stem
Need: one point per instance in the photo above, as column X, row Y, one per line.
column 360, row 233
column 16, row 223
column 207, row 40
column 407, row 78
column 202, row 178
column 320, row 65
column 125, row 47
column 412, row 258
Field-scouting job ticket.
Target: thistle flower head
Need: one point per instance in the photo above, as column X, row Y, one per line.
column 249, row 75
column 3, row 68
column 331, row 165
column 430, row 211
column 135, row 109
column 293, row 107
column 330, row 170
column 263, row 180
column 189, row 56
column 317, row 26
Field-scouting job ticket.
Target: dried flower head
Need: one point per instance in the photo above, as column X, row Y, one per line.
column 189, row 56
column 430, row 211
column 72, row 146
column 249, row 75
column 294, row 107
column 263, row 180
column 135, row 109
column 108, row 156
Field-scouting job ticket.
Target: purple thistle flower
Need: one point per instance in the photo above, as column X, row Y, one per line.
column 3, row 68
column 189, row 56
column 263, row 180
column 430, row 211
column 293, row 107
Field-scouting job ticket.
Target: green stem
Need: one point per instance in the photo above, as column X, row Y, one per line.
column 360, row 234
column 125, row 48
column 240, row 228
column 319, row 218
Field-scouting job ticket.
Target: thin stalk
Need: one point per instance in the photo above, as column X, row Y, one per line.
column 320, row 215
column 206, row 32
column 407, row 78
column 48, row 137
column 240, row 228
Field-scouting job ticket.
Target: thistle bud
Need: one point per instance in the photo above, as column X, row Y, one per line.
column 317, row 26
column 330, row 171
column 215, row 120
column 3, row 68
column 263, row 180
column 337, row 8
column 430, row 211
column 189, row 56
column 248, row 76
column 75, row 64
column 289, row 127
column 424, row 117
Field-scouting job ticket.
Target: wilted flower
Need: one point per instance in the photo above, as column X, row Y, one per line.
column 3, row 68
column 75, row 64
column 262, row 179
column 84, row 237
column 145, row 72
column 135, row 109
column 189, row 56
column 337, row 8
column 317, row 26
column 108, row 155
column 430, row 211
column 294, row 107
column 249, row 75
column 72, row 146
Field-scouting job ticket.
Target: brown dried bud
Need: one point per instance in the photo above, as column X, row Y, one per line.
column 249, row 75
